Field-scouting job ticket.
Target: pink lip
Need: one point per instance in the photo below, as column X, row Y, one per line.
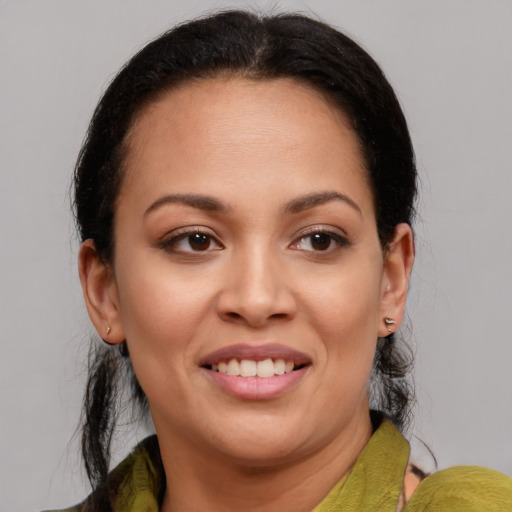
column 256, row 353
column 257, row 388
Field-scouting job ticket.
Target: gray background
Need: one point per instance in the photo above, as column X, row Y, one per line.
column 451, row 66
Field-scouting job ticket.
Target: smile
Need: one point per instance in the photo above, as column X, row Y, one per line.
column 256, row 372
column 250, row 368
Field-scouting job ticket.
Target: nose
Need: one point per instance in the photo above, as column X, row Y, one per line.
column 256, row 291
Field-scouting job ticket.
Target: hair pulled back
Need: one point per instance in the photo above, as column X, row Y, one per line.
column 260, row 48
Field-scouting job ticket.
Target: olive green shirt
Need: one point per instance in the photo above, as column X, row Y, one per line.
column 373, row 484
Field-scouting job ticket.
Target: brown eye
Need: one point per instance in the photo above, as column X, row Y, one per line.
column 320, row 241
column 190, row 242
column 199, row 242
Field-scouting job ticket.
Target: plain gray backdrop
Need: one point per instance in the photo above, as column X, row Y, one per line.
column 450, row 64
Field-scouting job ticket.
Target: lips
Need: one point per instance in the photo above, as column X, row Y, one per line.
column 256, row 372
column 256, row 353
column 251, row 368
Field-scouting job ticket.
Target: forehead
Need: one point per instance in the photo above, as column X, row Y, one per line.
column 232, row 128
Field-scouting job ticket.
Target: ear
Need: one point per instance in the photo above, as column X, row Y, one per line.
column 398, row 261
column 100, row 294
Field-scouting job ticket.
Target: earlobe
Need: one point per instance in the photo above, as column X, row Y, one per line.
column 398, row 262
column 100, row 294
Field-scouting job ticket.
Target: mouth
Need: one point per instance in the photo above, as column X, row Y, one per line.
column 256, row 372
column 251, row 368
column 264, row 361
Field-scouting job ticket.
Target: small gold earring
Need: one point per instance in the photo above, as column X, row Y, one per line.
column 108, row 330
column 389, row 322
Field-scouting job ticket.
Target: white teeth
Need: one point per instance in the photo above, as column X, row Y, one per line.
column 265, row 368
column 233, row 367
column 248, row 368
column 279, row 366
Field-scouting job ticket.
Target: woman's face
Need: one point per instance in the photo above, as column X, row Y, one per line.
column 246, row 241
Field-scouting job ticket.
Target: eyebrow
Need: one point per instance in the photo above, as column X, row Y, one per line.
column 211, row 204
column 311, row 200
column 202, row 202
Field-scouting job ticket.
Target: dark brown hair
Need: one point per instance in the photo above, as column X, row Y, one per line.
column 261, row 48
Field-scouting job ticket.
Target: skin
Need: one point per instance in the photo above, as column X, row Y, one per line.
column 254, row 147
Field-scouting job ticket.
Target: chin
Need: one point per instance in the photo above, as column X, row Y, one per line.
column 263, row 453
column 263, row 440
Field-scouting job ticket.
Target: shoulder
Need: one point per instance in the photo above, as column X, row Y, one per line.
column 464, row 489
column 138, row 479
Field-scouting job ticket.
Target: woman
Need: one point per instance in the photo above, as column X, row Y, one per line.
column 245, row 199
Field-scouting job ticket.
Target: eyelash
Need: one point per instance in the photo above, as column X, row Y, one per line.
column 171, row 244
column 339, row 240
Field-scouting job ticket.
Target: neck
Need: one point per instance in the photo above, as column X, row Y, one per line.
column 201, row 480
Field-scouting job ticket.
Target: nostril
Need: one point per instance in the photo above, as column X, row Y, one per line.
column 232, row 315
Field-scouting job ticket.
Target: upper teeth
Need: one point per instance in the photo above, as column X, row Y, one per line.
column 250, row 368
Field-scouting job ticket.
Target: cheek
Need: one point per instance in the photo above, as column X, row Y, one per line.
column 345, row 313
column 161, row 313
column 346, row 305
